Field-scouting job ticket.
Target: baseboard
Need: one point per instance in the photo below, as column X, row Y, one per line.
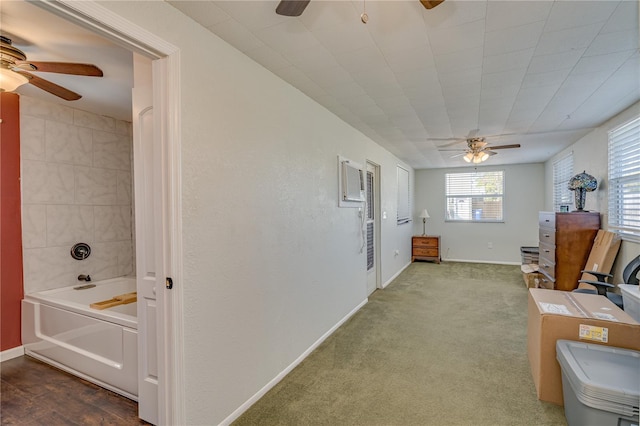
column 390, row 280
column 244, row 407
column 11, row 353
column 492, row 262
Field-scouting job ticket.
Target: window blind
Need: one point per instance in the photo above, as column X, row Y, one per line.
column 403, row 195
column 475, row 197
column 562, row 173
column 624, row 180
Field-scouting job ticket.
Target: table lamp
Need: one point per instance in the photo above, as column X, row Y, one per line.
column 424, row 215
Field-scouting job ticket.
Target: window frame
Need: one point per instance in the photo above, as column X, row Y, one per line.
column 470, row 196
column 562, row 174
column 623, row 170
column 403, row 212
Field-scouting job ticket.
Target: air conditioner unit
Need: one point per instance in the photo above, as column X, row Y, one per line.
column 352, row 182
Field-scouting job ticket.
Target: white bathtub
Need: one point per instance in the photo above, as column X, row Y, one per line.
column 59, row 327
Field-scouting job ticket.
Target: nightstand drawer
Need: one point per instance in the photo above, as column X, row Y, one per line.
column 429, row 252
column 425, row 241
column 425, row 247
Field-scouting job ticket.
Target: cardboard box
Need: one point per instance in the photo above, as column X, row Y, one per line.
column 531, row 279
column 557, row 315
column 530, row 275
column 603, row 254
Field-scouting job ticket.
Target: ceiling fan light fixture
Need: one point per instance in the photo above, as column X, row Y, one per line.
column 10, row 81
column 476, row 157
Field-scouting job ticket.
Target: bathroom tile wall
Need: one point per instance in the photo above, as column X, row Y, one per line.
column 76, row 187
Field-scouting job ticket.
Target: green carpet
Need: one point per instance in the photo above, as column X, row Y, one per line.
column 441, row 345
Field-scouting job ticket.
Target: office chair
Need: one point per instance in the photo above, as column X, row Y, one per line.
column 629, row 276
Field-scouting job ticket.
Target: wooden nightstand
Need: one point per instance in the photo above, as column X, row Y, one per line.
column 425, row 247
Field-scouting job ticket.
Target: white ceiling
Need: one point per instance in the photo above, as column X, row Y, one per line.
column 43, row 36
column 545, row 72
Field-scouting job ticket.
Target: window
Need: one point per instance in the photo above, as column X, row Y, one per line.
column 624, row 180
column 403, row 195
column 475, row 197
column 370, row 220
column 562, row 172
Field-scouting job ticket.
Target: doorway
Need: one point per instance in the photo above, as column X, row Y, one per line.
column 372, row 224
column 164, row 164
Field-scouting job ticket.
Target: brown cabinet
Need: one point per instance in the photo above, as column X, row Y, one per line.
column 565, row 244
column 425, row 247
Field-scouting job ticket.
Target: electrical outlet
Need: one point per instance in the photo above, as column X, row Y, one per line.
column 489, row 245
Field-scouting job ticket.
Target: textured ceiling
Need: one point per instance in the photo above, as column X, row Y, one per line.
column 43, row 36
column 542, row 73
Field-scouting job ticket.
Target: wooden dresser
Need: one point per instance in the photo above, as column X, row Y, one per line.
column 425, row 247
column 565, row 244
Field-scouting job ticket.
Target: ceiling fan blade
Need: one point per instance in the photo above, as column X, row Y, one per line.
column 458, row 155
column 460, row 149
column 455, row 141
column 65, row 68
column 430, row 4
column 489, row 152
column 515, row 145
column 50, row 87
column 291, row 7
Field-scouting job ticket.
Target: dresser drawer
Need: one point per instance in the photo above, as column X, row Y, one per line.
column 545, row 282
column 547, row 252
column 425, row 242
column 547, row 219
column 549, row 268
column 428, row 252
column 547, row 236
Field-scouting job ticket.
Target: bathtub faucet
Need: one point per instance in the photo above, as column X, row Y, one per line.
column 83, row 277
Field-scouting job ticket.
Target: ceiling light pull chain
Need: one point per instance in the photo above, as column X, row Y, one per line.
column 364, row 17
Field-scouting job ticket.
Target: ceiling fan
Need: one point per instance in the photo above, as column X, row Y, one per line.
column 296, row 7
column 478, row 149
column 15, row 70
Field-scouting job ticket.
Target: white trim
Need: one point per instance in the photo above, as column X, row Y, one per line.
column 172, row 391
column 491, row 262
column 244, row 407
column 8, row 354
column 108, row 24
column 104, row 22
column 395, row 275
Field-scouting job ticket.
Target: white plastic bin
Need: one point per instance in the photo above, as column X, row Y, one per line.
column 600, row 384
column 631, row 300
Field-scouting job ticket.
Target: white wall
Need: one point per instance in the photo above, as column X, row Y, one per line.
column 270, row 262
column 524, row 198
column 76, row 187
column 590, row 154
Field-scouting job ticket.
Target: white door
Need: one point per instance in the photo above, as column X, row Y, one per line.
column 372, row 227
column 148, row 232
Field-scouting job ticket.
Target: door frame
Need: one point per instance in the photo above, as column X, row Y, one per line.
column 166, row 92
column 376, row 221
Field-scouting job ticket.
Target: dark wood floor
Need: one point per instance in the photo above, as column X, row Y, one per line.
column 34, row 393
